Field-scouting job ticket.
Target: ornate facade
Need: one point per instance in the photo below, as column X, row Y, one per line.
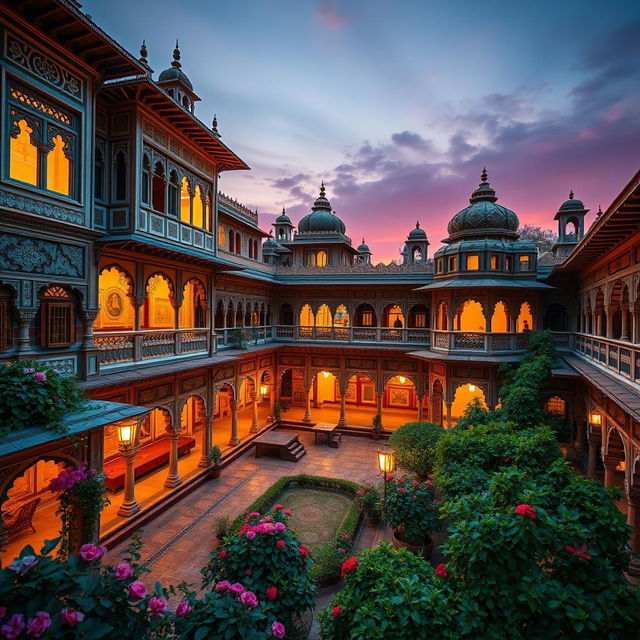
column 121, row 262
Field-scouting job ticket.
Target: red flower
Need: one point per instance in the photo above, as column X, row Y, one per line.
column 272, row 593
column 507, row 460
column 222, row 554
column 287, row 512
column 441, row 570
column 390, row 476
column 243, row 529
column 579, row 551
column 349, row 566
column 336, row 611
column 277, row 506
column 429, row 483
column 526, row 510
column 303, row 551
column 280, row 544
column 415, row 483
column 401, row 490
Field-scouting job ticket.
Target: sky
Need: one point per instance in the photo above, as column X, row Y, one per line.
column 398, row 104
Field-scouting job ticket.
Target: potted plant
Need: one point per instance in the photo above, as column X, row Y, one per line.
column 412, row 514
column 214, row 461
column 222, row 527
column 376, row 423
column 370, row 501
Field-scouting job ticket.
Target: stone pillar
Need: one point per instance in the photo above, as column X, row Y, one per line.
column 633, row 516
column 610, row 464
column 609, row 315
column 420, row 408
column 25, row 319
column 129, row 504
column 272, row 398
column 342, row 420
column 87, row 327
column 307, row 409
column 255, row 422
column 379, row 397
column 207, row 439
column 598, row 323
column 234, row 440
column 448, row 405
column 173, row 478
column 594, row 441
column 625, row 325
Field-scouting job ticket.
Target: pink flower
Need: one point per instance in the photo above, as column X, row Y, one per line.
column 272, row 593
column 441, row 570
column 254, row 514
column 71, row 616
column 91, row 552
column 13, row 627
column 277, row 506
column 137, row 590
column 303, row 551
column 223, row 585
column 578, row 551
column 287, row 512
column 40, row 376
column 345, row 536
column 236, row 587
column 280, row 527
column 415, row 483
column 342, row 550
column 390, row 477
column 157, row 606
column 222, row 554
column 38, row 624
column 183, row 609
column 360, row 492
column 280, row 544
column 277, row 630
column 249, row 598
column 251, row 535
column 429, row 483
column 122, row 571
column 526, row 510
column 401, row 490
column 336, row 611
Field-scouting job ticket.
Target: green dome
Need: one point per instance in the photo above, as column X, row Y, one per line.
column 417, row 233
column 321, row 219
column 173, row 74
column 483, row 217
column 571, row 204
column 364, row 247
column 283, row 218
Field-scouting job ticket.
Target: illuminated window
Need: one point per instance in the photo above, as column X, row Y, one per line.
column 500, row 318
column 494, row 263
column 473, row 263
column 185, row 201
column 24, row 156
column 439, row 265
column 58, row 168
column 556, row 405
column 524, row 322
column 470, row 317
column 524, row 263
column 198, row 208
column 453, row 263
column 393, row 317
column 311, row 259
column 222, row 240
column 238, row 244
column 321, row 259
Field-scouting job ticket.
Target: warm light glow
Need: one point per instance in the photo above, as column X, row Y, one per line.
column 323, row 316
column 465, row 394
column 58, row 168
column 386, row 460
column 185, row 201
column 500, row 319
column 321, row 258
column 473, row 263
column 470, row 317
column 472, row 387
column 402, row 379
column 198, row 208
column 326, row 374
column 595, row 418
column 116, row 309
column 525, row 318
column 263, row 390
column 23, row 155
column 221, row 237
column 622, row 466
column 306, row 316
column 126, row 433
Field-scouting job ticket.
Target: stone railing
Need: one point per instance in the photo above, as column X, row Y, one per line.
column 119, row 347
column 359, row 268
column 620, row 357
column 238, row 207
column 477, row 342
column 243, row 260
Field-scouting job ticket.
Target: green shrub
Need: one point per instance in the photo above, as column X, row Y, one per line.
column 370, row 500
column 414, row 445
column 328, row 559
column 475, row 414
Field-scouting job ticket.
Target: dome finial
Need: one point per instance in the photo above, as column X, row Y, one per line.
column 214, row 125
column 571, row 194
column 363, row 240
column 483, row 175
column 322, row 189
column 176, row 56
column 599, row 211
column 417, row 224
column 144, row 53
column 283, row 210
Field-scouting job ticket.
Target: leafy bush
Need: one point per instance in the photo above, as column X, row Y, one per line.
column 34, row 394
column 475, row 414
column 328, row 559
column 265, row 554
column 411, row 510
column 388, row 594
column 414, row 445
column 369, row 500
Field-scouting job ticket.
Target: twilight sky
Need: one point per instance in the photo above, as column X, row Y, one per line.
column 397, row 105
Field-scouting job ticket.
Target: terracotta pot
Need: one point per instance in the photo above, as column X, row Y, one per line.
column 425, row 550
column 214, row 472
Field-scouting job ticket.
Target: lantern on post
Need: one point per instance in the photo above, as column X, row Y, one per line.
column 595, row 418
column 128, row 441
column 386, row 464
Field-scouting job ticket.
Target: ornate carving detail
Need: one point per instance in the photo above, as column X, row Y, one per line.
column 28, row 255
column 147, row 396
column 64, row 365
column 30, row 205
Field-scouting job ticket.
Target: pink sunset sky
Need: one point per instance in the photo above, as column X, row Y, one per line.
column 398, row 106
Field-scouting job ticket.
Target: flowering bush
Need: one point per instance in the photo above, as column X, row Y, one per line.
column 411, row 509
column 265, row 553
column 414, row 444
column 83, row 495
column 34, row 394
column 328, row 559
column 388, row 594
column 369, row 500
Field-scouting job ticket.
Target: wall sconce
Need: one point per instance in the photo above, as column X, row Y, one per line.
column 127, row 434
column 472, row 388
column 263, row 389
column 622, row 466
column 326, row 374
column 402, row 379
column 595, row 418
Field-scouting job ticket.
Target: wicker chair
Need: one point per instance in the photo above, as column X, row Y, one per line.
column 21, row 519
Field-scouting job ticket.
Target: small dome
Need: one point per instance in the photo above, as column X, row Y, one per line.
column 483, row 216
column 321, row 219
column 174, row 73
column 363, row 248
column 270, row 242
column 417, row 233
column 283, row 218
column 571, row 204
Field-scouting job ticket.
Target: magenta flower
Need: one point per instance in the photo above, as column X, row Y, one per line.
column 254, row 514
column 40, row 376
column 157, row 606
column 236, row 587
column 183, row 608
column 280, row 527
column 122, row 571
column 91, row 552
column 13, row 627
column 223, row 585
column 38, row 624
column 137, row 590
column 277, row 630
column 250, row 535
column 526, row 510
column 249, row 598
column 71, row 616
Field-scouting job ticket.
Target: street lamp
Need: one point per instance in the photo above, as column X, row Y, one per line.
column 128, row 441
column 595, row 418
column 127, row 434
column 386, row 464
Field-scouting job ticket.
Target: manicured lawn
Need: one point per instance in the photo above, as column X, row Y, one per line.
column 317, row 513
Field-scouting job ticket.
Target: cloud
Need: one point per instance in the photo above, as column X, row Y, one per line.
column 328, row 14
column 289, row 183
column 411, row 140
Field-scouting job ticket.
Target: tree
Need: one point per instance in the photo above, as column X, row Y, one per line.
column 544, row 239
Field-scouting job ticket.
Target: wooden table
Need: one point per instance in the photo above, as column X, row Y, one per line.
column 325, row 429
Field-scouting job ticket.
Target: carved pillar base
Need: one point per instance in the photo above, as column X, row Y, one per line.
column 129, row 505
column 207, row 439
column 255, row 422
column 173, row 479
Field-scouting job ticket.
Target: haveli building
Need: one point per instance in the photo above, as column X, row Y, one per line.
column 122, row 262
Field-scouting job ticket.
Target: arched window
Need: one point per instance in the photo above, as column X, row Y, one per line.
column 418, row 317
column 192, row 312
column 321, row 258
column 473, row 262
column 470, row 317
column 24, row 156
column 57, row 318
column 174, row 193
column 185, row 201
column 365, row 316
column 98, row 175
column 59, row 167
column 251, row 248
column 392, row 317
column 306, row 316
column 159, row 188
column 525, row 318
column 121, row 176
column 311, row 259
column 157, row 312
column 341, row 317
column 222, row 240
column 256, row 249
column 198, row 208
column 117, row 312
column 442, row 316
column 232, row 237
column 146, row 179
column 500, row 318
column 323, row 316
column 238, row 244
column 209, row 213
column 286, row 314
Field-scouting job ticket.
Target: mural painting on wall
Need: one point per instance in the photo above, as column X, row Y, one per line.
column 399, row 397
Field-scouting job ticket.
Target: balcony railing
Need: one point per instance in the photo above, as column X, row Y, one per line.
column 133, row 346
column 620, row 357
column 478, row 342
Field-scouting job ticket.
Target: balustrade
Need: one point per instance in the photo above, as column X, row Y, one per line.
column 478, row 341
column 616, row 355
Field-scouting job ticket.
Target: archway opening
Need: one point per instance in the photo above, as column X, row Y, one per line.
column 419, row 317
column 399, row 402
column 500, row 318
column 470, row 317
column 341, row 323
column 221, row 432
column 193, row 310
column 307, row 320
column 465, row 394
column 524, row 321
column 615, row 459
column 117, row 312
column 157, row 311
column 392, row 316
column 365, row 316
column 442, row 316
column 286, row 314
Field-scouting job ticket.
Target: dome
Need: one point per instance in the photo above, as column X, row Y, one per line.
column 321, row 219
column 363, row 248
column 174, row 73
column 270, row 242
column 417, row 233
column 571, row 204
column 483, row 216
column 283, row 218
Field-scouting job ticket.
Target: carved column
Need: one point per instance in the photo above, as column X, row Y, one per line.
column 342, row 420
column 207, row 438
column 25, row 319
column 173, row 479
column 379, row 397
column 307, row 409
column 420, row 408
column 448, row 405
column 594, row 441
column 129, row 504
column 255, row 422
column 633, row 516
column 625, row 324
column 610, row 464
column 234, row 440
column 87, row 326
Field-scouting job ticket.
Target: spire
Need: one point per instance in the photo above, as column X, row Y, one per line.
column 484, row 192
column 214, row 125
column 363, row 240
column 483, row 175
column 417, row 224
column 599, row 211
column 176, row 56
column 144, row 53
column 322, row 189
column 284, row 211
column 571, row 194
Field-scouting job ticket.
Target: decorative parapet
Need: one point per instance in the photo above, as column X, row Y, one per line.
column 320, row 234
column 238, row 208
column 241, row 260
column 356, row 269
